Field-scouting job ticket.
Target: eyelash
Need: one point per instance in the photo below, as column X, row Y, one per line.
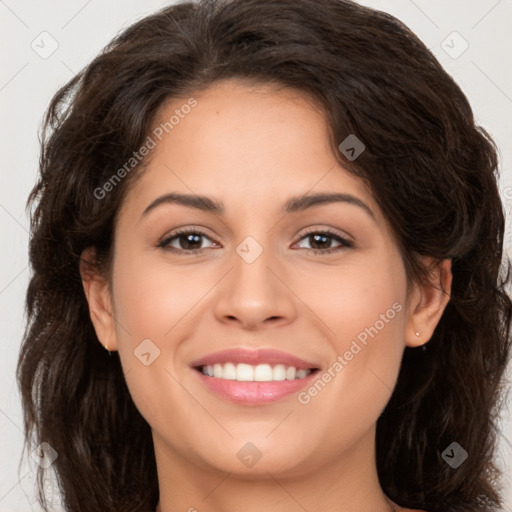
column 163, row 244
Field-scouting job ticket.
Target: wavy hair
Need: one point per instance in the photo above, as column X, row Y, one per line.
column 432, row 170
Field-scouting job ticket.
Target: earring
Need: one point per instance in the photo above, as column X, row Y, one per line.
column 106, row 348
column 423, row 347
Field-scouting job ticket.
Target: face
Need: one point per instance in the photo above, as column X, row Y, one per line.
column 264, row 334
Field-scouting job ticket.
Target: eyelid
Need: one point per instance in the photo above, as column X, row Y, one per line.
column 330, row 231
column 163, row 241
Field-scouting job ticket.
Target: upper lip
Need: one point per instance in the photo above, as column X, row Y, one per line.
column 253, row 357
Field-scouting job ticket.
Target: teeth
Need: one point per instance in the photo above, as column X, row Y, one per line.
column 244, row 372
column 249, row 373
column 217, row 371
column 263, row 372
column 229, row 371
column 291, row 373
column 279, row 372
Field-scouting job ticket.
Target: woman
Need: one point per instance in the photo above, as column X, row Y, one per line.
column 267, row 270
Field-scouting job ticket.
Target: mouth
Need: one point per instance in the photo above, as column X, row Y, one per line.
column 251, row 376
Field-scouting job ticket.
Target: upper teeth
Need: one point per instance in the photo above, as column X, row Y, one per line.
column 259, row 373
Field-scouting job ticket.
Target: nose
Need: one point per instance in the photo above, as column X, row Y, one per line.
column 256, row 294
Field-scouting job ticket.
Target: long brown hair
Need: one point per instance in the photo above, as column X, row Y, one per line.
column 431, row 169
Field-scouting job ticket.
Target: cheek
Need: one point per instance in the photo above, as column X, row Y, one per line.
column 363, row 299
column 151, row 298
column 362, row 309
column 150, row 301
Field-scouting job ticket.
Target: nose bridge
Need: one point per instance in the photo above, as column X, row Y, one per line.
column 252, row 292
column 252, row 279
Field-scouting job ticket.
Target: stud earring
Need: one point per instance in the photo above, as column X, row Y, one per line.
column 106, row 348
column 423, row 347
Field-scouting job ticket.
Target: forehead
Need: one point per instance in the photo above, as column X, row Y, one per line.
column 251, row 144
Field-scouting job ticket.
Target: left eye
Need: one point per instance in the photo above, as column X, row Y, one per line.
column 323, row 241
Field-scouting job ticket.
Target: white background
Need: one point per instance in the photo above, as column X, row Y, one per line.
column 81, row 28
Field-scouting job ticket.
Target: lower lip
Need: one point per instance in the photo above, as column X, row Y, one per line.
column 254, row 392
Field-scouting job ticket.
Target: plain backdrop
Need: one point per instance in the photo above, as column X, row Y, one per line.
column 43, row 44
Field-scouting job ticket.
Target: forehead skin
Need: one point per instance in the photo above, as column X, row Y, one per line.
column 252, row 154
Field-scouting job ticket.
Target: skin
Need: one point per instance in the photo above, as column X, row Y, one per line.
column 252, row 148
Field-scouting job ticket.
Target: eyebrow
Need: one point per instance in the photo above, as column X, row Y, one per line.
column 293, row 205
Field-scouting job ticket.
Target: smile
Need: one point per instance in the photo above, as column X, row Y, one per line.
column 253, row 376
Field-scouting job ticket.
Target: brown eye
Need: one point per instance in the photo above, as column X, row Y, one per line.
column 184, row 241
column 321, row 242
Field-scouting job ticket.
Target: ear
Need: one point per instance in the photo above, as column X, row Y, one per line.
column 427, row 302
column 97, row 291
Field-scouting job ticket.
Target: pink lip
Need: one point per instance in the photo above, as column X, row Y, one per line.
column 253, row 357
column 253, row 393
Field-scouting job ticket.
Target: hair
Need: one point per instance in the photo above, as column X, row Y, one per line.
column 431, row 169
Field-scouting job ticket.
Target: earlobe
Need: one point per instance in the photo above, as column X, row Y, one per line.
column 428, row 303
column 97, row 292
